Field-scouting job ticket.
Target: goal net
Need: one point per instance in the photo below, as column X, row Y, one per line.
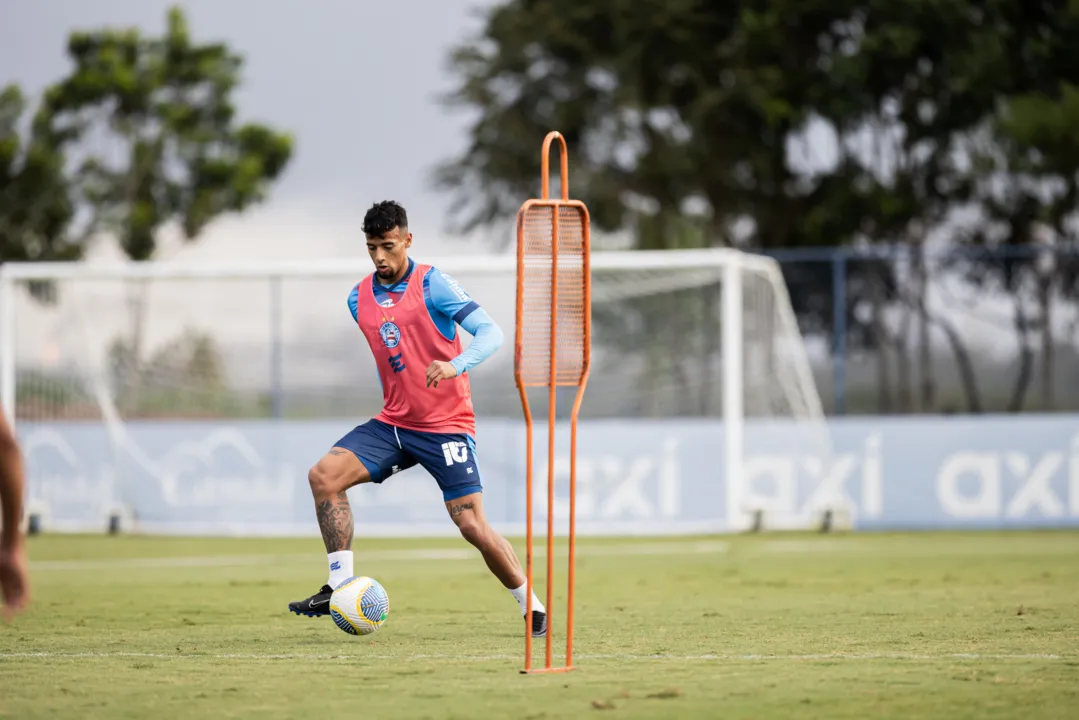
column 194, row 398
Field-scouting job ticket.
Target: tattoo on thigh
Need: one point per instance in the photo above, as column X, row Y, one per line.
column 456, row 510
column 336, row 523
column 336, row 451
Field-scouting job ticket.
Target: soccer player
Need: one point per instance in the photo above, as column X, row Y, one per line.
column 14, row 586
column 408, row 312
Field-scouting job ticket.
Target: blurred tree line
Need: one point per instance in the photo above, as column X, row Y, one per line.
column 142, row 133
column 766, row 124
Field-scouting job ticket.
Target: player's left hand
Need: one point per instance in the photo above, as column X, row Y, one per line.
column 440, row 370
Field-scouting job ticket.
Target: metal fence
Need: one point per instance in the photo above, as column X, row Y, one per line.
column 904, row 329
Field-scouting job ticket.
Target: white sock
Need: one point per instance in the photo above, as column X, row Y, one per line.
column 340, row 567
column 521, row 596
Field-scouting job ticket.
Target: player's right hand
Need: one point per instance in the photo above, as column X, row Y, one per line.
column 14, row 584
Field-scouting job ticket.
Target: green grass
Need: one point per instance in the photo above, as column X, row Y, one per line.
column 979, row 625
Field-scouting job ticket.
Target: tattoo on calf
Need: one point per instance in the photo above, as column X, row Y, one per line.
column 336, row 523
column 456, row 510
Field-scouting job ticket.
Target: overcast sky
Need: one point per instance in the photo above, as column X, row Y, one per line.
column 355, row 81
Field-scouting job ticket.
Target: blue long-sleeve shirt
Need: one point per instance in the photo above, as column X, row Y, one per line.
column 448, row 305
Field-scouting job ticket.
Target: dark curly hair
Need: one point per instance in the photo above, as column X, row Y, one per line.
column 383, row 217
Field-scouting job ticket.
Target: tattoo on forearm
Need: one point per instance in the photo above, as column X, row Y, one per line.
column 336, row 523
column 456, row 510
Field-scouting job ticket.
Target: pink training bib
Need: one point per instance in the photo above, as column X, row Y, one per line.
column 404, row 342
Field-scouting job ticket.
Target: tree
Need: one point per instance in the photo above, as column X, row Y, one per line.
column 679, row 117
column 1028, row 195
column 36, row 207
column 662, row 105
column 661, row 142
column 159, row 140
column 1022, row 174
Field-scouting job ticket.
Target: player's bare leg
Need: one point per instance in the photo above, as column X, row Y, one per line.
column 336, row 472
column 467, row 513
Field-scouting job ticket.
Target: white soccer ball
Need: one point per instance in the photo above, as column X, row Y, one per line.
column 359, row 605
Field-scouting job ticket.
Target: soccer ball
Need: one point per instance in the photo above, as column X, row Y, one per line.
column 359, row 605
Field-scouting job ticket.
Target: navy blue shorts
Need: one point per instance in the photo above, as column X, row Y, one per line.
column 449, row 457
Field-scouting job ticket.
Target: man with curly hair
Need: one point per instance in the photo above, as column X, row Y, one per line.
column 408, row 312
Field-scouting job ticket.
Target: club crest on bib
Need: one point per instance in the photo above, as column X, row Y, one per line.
column 390, row 333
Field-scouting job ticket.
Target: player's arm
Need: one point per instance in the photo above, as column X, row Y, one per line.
column 451, row 300
column 487, row 338
column 13, row 583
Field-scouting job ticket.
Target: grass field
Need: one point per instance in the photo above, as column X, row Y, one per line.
column 860, row 626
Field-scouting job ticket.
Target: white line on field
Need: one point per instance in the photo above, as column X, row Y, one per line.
column 416, row 554
column 815, row 657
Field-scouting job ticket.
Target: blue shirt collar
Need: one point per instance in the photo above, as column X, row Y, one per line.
column 381, row 289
